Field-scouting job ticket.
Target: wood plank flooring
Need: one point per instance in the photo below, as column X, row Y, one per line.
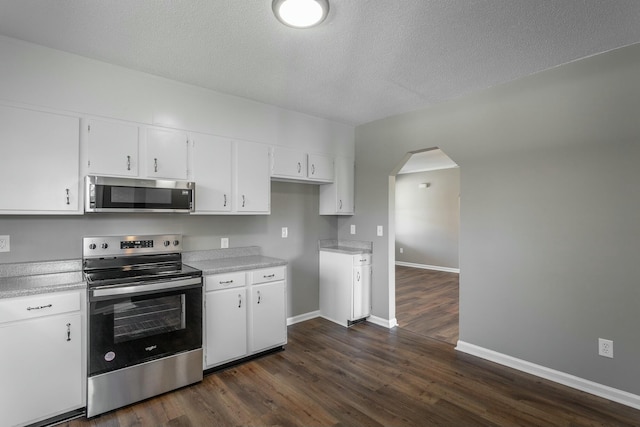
column 427, row 302
column 368, row 375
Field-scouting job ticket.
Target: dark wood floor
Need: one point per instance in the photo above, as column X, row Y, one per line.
column 427, row 302
column 368, row 375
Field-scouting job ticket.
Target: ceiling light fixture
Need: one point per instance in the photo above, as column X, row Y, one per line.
column 300, row 13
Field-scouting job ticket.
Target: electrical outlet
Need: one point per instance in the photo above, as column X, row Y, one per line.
column 353, row 229
column 401, row 250
column 605, row 348
column 380, row 231
column 5, row 243
column 285, row 232
column 224, row 242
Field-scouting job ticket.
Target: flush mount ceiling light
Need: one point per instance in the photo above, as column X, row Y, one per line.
column 300, row 13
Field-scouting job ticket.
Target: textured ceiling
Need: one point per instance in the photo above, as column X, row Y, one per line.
column 370, row 59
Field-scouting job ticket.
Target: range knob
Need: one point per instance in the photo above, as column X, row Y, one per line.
column 92, row 246
column 176, row 242
column 104, row 245
column 166, row 243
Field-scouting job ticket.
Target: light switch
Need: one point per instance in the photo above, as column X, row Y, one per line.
column 353, row 229
column 380, row 231
column 224, row 242
column 285, row 232
column 5, row 243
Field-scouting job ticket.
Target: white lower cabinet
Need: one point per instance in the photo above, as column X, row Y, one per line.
column 245, row 314
column 41, row 362
column 345, row 286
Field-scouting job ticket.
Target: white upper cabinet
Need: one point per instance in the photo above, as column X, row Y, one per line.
column 166, row 153
column 320, row 168
column 42, row 151
column 338, row 198
column 211, row 160
column 287, row 163
column 112, row 148
column 252, row 193
column 293, row 165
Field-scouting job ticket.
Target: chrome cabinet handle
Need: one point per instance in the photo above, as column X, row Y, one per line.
column 128, row 163
column 340, row 206
column 299, row 167
column 239, row 300
column 68, row 331
column 259, row 297
column 269, row 276
column 358, row 279
column 40, row 307
column 243, row 200
column 226, row 282
column 67, row 190
column 225, row 200
column 313, row 169
column 155, row 165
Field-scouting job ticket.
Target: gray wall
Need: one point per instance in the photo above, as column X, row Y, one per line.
column 39, row 238
column 550, row 203
column 428, row 219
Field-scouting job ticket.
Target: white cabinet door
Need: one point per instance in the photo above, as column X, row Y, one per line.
column 252, row 181
column 361, row 292
column 211, row 171
column 166, row 155
column 268, row 316
column 112, row 148
column 40, row 151
column 320, row 168
column 338, row 198
column 226, row 325
column 40, row 367
column 286, row 163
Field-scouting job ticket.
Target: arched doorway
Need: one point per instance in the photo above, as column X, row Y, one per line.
column 426, row 223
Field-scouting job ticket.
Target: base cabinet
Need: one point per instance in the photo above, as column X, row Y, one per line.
column 41, row 362
column 245, row 314
column 345, row 287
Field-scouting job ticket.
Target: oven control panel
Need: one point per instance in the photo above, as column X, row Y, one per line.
column 101, row 246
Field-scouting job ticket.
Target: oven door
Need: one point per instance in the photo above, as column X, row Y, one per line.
column 137, row 323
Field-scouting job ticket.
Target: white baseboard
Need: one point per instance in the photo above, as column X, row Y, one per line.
column 391, row 323
column 428, row 267
column 302, row 317
column 569, row 380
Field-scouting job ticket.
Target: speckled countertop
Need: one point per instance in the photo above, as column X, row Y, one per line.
column 30, row 278
column 218, row 261
column 349, row 247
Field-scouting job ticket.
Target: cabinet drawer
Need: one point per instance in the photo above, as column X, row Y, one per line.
column 264, row 275
column 224, row 281
column 362, row 259
column 21, row 308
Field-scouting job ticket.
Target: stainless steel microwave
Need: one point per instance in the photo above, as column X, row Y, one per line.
column 110, row 194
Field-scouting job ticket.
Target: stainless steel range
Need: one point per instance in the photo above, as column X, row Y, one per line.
column 145, row 319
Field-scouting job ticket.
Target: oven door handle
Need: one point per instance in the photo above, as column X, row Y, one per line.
column 146, row 288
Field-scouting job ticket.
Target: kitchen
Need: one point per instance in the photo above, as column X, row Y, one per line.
column 67, row 83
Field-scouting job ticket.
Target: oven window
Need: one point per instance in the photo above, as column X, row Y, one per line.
column 146, row 317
